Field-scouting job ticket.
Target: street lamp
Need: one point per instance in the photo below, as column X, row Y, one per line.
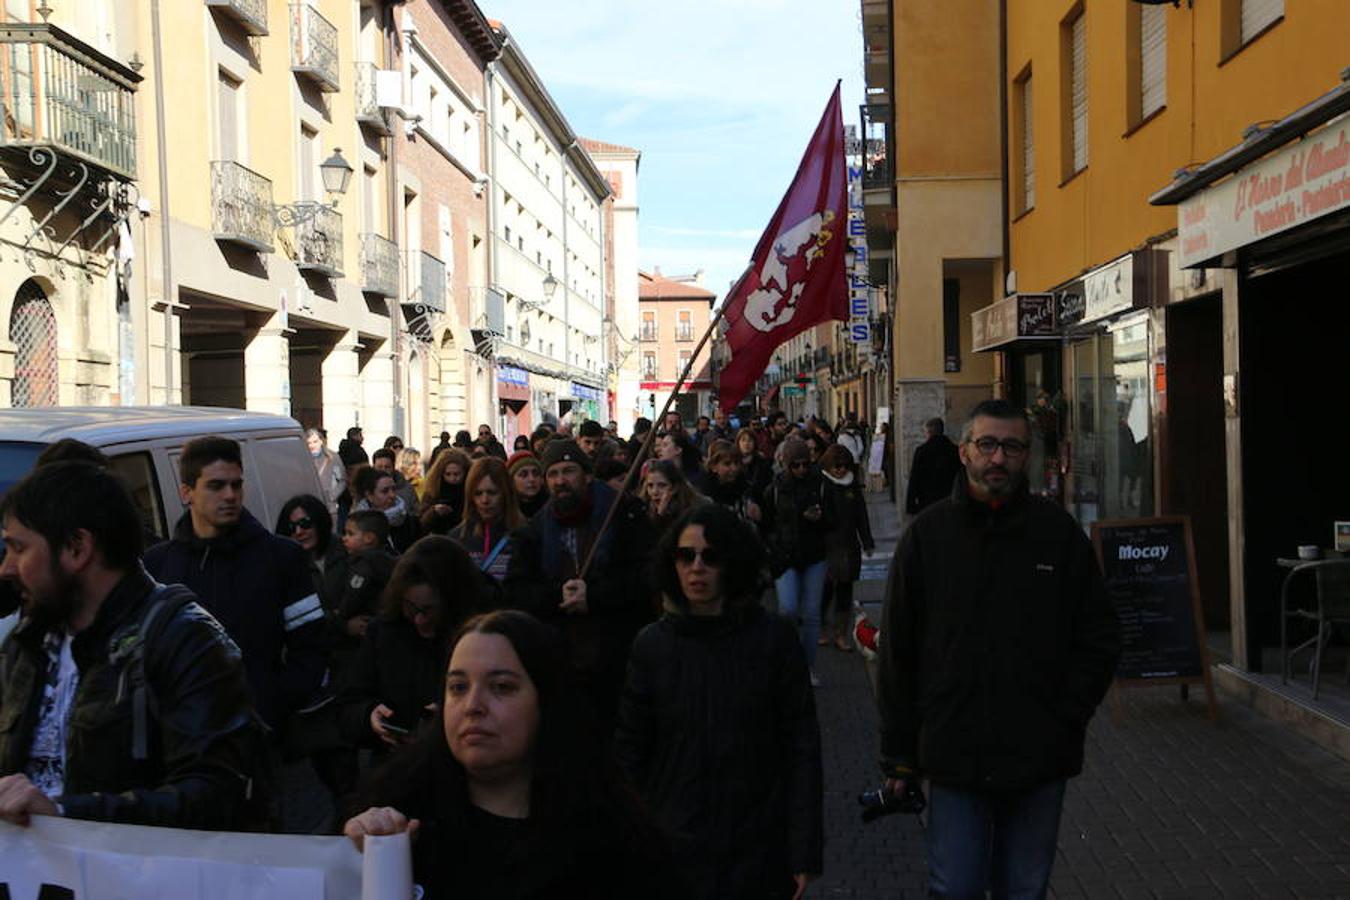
column 336, row 174
column 550, row 286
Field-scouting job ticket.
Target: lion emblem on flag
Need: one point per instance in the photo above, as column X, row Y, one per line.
column 782, row 278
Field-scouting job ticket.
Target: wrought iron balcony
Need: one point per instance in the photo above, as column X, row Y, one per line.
column 379, row 265
column 241, row 206
column 318, row 243
column 648, row 333
column 250, row 14
column 368, row 110
column 430, row 292
column 61, row 93
column 314, row 47
column 684, row 332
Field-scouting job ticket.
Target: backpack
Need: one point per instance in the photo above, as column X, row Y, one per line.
column 128, row 645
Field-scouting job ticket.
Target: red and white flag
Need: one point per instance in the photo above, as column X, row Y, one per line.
column 796, row 277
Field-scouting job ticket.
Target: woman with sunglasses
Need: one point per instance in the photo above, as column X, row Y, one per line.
column 314, row 734
column 395, row 681
column 507, row 796
column 797, row 519
column 717, row 725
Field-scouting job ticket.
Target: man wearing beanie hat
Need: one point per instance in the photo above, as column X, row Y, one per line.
column 527, row 477
column 602, row 612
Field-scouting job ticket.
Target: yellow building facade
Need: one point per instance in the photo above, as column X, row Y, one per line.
column 1179, row 297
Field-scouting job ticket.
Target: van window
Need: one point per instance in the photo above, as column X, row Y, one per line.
column 138, row 471
column 16, row 461
column 279, row 468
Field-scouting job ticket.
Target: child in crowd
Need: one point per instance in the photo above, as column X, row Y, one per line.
column 369, row 565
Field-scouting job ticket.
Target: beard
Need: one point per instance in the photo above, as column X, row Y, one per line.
column 1000, row 489
column 56, row 605
column 567, row 502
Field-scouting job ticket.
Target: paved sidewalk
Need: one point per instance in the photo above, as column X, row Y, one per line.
column 1169, row 805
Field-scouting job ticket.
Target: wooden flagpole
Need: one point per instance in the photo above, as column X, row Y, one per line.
column 651, row 434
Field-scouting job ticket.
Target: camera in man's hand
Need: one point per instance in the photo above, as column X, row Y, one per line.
column 880, row 802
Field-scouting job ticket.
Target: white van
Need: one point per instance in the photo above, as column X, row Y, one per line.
column 144, row 443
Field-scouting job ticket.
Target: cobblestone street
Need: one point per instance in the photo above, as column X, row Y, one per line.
column 1169, row 805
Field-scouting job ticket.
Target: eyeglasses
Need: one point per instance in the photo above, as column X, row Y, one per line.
column 711, row 557
column 1012, row 448
column 295, row 525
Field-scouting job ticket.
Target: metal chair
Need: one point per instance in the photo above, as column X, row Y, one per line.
column 1332, row 580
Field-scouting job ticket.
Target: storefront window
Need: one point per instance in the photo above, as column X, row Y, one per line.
column 1111, row 444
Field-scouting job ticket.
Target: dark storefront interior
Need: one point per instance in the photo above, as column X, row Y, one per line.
column 1194, row 466
column 1294, row 324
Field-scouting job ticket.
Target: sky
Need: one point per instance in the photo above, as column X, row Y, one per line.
column 720, row 96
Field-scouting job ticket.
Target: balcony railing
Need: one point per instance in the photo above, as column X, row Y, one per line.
column 684, row 332
column 314, row 47
column 241, row 206
column 59, row 92
column 368, row 111
column 648, row 333
column 318, row 243
column 250, row 14
column 430, row 291
column 379, row 265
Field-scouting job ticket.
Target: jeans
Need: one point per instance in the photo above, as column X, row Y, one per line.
column 799, row 594
column 997, row 841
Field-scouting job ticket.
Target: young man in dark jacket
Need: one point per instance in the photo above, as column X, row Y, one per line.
column 601, row 612
column 120, row 700
column 998, row 642
column 255, row 583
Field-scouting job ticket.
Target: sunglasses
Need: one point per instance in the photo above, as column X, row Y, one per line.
column 296, row 524
column 711, row 556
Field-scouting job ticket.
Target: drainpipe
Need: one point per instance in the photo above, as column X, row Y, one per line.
column 566, row 282
column 490, row 135
column 1001, row 375
column 161, row 144
column 395, row 234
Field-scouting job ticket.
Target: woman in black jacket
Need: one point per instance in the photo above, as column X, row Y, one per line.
column 758, row 470
column 728, row 484
column 509, row 795
column 396, row 679
column 717, row 727
column 797, row 519
column 849, row 535
column 443, row 491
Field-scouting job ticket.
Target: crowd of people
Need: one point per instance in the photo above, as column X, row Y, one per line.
column 582, row 668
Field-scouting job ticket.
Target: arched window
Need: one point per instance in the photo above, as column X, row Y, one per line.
column 32, row 328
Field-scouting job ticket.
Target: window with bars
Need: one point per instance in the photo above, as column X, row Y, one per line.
column 1074, row 56
column 649, row 364
column 32, row 329
column 684, row 325
column 1258, row 15
column 1243, row 21
column 1025, row 185
column 649, row 332
column 1152, row 60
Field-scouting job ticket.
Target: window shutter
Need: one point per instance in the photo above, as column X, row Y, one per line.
column 1153, row 59
column 1078, row 85
column 1257, row 15
column 1028, row 149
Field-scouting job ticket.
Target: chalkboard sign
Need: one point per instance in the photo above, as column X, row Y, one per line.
column 1149, row 567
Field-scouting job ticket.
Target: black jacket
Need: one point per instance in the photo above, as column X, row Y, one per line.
column 717, row 729
column 936, row 465
column 850, row 531
column 258, row 586
column 794, row 540
column 202, row 736
column 351, row 453
column 997, row 643
column 618, row 589
column 397, row 667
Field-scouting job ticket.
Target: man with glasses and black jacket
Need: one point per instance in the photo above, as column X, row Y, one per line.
column 998, row 644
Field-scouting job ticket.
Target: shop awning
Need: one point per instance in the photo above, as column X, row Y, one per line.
column 1019, row 321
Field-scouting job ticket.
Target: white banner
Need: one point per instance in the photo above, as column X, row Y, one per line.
column 65, row 858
